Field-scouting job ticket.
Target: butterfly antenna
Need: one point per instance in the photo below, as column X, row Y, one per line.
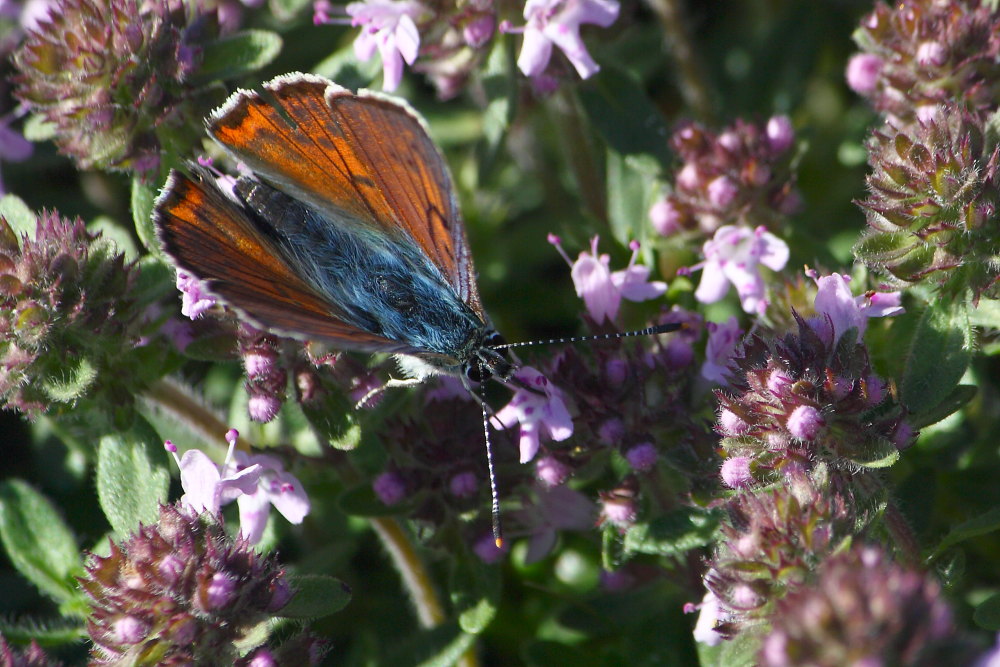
column 648, row 331
column 497, row 532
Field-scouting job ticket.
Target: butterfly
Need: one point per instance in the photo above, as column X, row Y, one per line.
column 348, row 232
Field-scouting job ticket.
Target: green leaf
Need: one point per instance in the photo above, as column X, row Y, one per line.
column 77, row 376
column 238, row 54
column 631, row 186
column 475, row 592
column 878, row 453
column 987, row 613
column 48, row 634
column 22, row 220
column 623, row 115
column 983, row 524
column 738, row 652
column 881, row 246
column 939, row 354
column 546, row 653
column 952, row 403
column 38, row 129
column 38, row 542
column 316, row 595
column 133, row 478
column 441, row 646
column 143, row 196
column 673, row 534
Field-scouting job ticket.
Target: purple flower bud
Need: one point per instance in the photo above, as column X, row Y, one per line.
column 666, row 217
column 389, row 487
column 688, row 178
column 616, row 371
column 220, row 592
column 863, row 73
column 722, row 191
column 262, row 658
column 730, row 141
column 618, row 508
column 736, row 472
column 612, row 431
column 479, row 31
column 903, row 436
column 263, row 407
column 805, row 422
column 551, row 471
column 281, row 594
column 171, row 568
column 487, row 550
column 778, row 382
column 259, row 360
column 931, row 54
column 130, row 630
column 780, row 133
column 642, row 457
column 730, row 424
column 463, row 485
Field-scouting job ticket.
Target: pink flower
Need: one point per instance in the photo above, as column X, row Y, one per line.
column 537, row 413
column 558, row 508
column 558, row 22
column 206, row 489
column 734, row 255
column 708, row 619
column 194, row 300
column 388, row 26
column 722, row 340
column 602, row 290
column 274, row 487
column 842, row 310
column 863, row 70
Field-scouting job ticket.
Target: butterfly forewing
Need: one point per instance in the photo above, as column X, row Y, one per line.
column 213, row 238
column 360, row 159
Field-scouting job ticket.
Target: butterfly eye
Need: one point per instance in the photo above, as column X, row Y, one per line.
column 495, row 339
column 477, row 372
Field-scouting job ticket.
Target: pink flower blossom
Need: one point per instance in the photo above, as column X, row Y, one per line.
column 274, row 487
column 722, row 340
column 206, row 488
column 708, row 619
column 194, row 300
column 863, row 70
column 558, row 508
column 601, row 289
column 842, row 310
column 388, row 26
column 734, row 255
column 558, row 22
column 537, row 413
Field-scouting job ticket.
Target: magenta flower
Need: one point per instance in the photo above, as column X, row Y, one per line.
column 558, row 22
column 842, row 310
column 388, row 26
column 274, row 487
column 734, row 255
column 253, row 481
column 722, row 340
column 558, row 508
column 601, row 289
column 194, row 300
column 206, row 489
column 710, row 616
column 537, row 413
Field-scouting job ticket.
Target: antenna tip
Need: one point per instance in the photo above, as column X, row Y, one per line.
column 499, row 542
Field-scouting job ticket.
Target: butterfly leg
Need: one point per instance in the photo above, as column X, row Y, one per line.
column 390, row 384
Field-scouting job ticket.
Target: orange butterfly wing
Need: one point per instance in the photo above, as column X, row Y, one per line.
column 361, row 159
column 212, row 237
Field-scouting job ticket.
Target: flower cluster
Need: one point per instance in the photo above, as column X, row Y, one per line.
column 864, row 609
column 807, row 398
column 266, row 378
column 920, row 54
column 65, row 314
column 115, row 78
column 740, row 176
column 933, row 203
column 31, row 656
column 179, row 592
column 443, row 39
column 771, row 542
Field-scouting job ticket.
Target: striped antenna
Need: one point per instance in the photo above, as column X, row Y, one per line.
column 497, row 531
column 648, row 331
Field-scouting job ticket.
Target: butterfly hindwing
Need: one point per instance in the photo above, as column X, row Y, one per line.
column 213, row 237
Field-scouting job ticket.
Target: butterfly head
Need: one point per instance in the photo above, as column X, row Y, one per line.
column 487, row 361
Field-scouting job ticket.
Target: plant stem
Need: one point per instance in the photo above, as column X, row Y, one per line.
column 690, row 74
